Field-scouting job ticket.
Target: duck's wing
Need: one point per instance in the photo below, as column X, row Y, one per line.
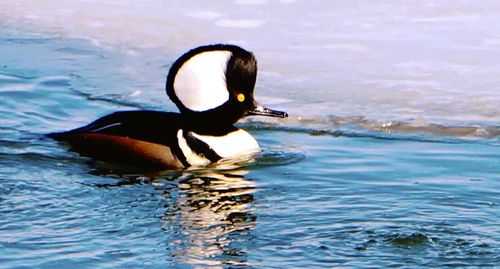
column 133, row 136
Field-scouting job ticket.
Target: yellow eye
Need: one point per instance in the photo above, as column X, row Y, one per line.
column 240, row 97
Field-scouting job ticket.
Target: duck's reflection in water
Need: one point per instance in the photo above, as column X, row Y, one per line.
column 208, row 215
column 211, row 218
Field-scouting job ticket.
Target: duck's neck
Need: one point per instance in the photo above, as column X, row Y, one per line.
column 207, row 127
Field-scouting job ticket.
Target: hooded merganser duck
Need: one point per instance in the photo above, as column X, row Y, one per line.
column 212, row 86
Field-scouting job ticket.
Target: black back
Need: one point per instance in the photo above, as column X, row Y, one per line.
column 146, row 125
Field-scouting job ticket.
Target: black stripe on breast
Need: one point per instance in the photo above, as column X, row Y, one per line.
column 201, row 148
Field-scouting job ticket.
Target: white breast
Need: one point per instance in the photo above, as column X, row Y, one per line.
column 233, row 144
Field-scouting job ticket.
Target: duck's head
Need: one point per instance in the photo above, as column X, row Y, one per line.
column 214, row 84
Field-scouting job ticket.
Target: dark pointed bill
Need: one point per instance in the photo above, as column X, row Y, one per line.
column 259, row 110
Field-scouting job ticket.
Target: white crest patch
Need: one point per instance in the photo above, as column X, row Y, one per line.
column 200, row 83
column 233, row 144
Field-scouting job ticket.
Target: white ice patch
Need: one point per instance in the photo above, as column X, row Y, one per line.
column 234, row 23
column 251, row 2
column 200, row 83
column 233, row 144
column 205, row 15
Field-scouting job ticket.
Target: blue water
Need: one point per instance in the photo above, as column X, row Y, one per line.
column 340, row 196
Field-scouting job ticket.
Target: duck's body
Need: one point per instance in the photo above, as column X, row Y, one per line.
column 133, row 137
column 212, row 86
